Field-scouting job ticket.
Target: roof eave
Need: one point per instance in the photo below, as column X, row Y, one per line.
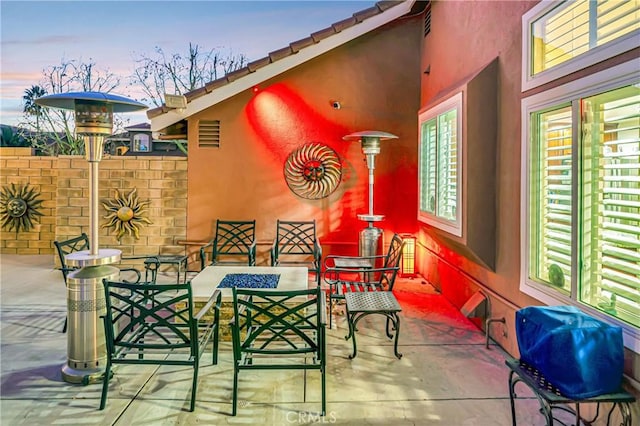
column 166, row 119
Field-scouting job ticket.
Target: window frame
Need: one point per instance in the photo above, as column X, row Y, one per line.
column 610, row 79
column 591, row 57
column 454, row 101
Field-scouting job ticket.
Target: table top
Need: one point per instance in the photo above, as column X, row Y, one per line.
column 371, row 301
column 204, row 284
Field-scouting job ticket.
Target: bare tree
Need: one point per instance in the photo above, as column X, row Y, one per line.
column 52, row 133
column 180, row 73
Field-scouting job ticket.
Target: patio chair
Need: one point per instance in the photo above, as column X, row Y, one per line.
column 234, row 244
column 296, row 244
column 149, row 323
column 275, row 329
column 362, row 273
column 72, row 245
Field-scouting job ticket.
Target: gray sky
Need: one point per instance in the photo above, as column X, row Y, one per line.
column 37, row 34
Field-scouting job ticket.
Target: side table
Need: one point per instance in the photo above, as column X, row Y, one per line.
column 550, row 397
column 361, row 304
column 179, row 260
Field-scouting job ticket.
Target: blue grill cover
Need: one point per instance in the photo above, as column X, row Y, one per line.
column 582, row 356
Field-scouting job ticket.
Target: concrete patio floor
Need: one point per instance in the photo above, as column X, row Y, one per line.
column 446, row 376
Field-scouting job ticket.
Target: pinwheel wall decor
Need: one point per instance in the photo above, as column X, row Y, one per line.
column 126, row 214
column 19, row 207
column 313, row 171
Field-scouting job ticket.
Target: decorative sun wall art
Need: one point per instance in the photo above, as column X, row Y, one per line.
column 125, row 214
column 19, row 207
column 313, row 171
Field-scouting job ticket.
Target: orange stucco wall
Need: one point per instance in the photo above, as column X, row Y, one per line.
column 376, row 80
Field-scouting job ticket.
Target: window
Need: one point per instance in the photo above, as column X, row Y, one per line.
column 141, row 142
column 440, row 165
column 562, row 37
column 581, row 195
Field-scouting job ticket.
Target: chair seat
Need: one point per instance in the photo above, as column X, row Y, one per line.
column 372, row 301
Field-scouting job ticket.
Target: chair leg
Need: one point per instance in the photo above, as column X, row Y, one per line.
column 324, row 400
column 194, row 386
column 105, row 386
column 234, row 407
column 215, row 343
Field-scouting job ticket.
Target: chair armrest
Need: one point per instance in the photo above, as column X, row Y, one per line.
column 323, row 309
column 203, row 256
column 216, row 298
column 252, row 253
column 273, row 252
column 332, row 258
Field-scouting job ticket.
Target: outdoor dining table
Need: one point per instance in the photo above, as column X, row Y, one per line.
column 224, row 278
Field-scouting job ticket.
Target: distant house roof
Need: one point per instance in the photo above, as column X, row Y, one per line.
column 281, row 60
column 139, row 127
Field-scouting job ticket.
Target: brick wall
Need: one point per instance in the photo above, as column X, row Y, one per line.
column 64, row 186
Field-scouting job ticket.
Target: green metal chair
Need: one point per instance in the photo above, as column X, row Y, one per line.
column 296, row 244
column 148, row 323
column 275, row 329
column 234, row 244
column 72, row 245
column 362, row 273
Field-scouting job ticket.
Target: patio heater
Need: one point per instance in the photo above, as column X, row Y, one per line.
column 370, row 241
column 86, row 350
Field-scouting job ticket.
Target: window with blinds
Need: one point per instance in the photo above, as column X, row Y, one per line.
column 439, row 165
column 584, row 200
column 552, row 198
column 611, row 196
column 574, row 28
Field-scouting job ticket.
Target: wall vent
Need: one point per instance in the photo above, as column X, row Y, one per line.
column 427, row 21
column 209, row 134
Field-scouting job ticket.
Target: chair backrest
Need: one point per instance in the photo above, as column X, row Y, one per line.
column 148, row 318
column 234, row 237
column 278, row 323
column 395, row 252
column 391, row 265
column 70, row 246
column 295, row 237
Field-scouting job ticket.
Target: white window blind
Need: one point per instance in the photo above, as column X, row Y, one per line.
column 611, row 196
column 573, row 28
column 552, row 197
column 440, row 165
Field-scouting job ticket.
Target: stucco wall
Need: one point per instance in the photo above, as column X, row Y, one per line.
column 63, row 185
column 483, row 31
column 376, row 80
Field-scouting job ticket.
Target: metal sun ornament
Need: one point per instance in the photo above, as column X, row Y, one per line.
column 19, row 207
column 313, row 171
column 125, row 214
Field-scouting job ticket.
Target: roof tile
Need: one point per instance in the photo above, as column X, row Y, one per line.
column 255, row 65
column 213, row 85
column 234, row 75
column 301, row 44
column 276, row 55
column 344, row 24
column 322, row 34
column 387, row 4
column 366, row 13
column 196, row 93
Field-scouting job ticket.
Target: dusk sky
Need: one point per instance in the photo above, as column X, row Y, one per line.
column 38, row 34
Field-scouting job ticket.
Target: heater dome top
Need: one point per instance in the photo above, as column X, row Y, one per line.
column 377, row 134
column 68, row 101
